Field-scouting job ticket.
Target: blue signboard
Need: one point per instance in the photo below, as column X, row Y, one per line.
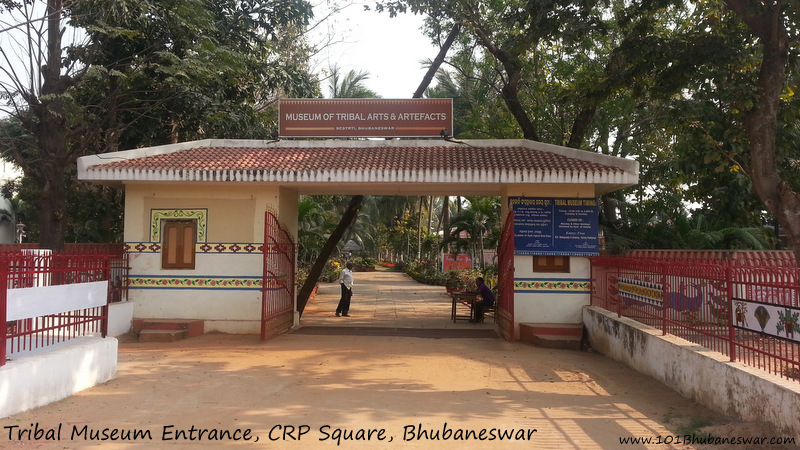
column 555, row 226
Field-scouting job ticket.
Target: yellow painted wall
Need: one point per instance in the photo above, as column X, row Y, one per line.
column 233, row 211
column 233, row 218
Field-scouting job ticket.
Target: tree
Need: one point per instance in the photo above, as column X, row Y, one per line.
column 310, row 228
column 569, row 67
column 774, row 23
column 148, row 73
column 330, row 245
column 479, row 220
column 478, row 108
column 38, row 100
column 350, row 86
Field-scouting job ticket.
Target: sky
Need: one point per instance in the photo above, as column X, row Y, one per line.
column 390, row 49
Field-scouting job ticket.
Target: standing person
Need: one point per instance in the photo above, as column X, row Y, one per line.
column 487, row 299
column 346, row 281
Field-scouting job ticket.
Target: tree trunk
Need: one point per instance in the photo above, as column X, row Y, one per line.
column 446, row 216
column 760, row 123
column 437, row 62
column 419, row 230
column 51, row 134
column 348, row 218
column 51, row 205
column 511, row 97
column 355, row 203
column 430, row 218
column 581, row 126
column 513, row 68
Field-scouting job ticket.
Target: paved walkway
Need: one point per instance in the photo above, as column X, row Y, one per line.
column 388, row 300
column 353, row 390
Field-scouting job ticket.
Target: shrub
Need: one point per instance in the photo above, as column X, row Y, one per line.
column 363, row 264
column 331, row 270
column 426, row 271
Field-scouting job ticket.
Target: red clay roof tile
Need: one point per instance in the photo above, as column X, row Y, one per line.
column 347, row 158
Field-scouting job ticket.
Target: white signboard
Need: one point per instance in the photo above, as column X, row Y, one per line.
column 42, row 301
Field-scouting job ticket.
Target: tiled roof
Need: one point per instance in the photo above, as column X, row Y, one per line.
column 341, row 158
column 438, row 166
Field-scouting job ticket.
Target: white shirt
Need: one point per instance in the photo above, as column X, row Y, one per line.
column 346, row 278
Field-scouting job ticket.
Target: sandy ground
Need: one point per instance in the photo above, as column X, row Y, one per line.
column 362, row 387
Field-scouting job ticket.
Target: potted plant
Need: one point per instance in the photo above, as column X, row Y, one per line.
column 453, row 282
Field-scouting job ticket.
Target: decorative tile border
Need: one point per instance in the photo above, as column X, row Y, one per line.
column 641, row 291
column 157, row 215
column 200, row 247
column 201, row 282
column 553, row 285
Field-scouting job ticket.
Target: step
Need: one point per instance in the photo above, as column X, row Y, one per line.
column 567, row 329
column 193, row 327
column 552, row 335
column 148, row 335
column 557, row 341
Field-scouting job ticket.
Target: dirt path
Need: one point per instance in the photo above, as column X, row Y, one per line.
column 345, row 391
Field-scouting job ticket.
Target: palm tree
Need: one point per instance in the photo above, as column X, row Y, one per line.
column 479, row 220
column 310, row 228
column 349, row 86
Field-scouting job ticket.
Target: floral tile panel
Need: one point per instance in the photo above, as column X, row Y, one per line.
column 552, row 285
column 200, row 282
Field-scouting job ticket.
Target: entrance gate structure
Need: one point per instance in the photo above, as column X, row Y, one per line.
column 228, row 184
column 277, row 301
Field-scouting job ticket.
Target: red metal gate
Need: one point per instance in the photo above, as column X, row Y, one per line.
column 505, row 279
column 277, row 303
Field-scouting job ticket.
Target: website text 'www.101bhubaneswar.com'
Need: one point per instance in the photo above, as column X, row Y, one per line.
column 706, row 439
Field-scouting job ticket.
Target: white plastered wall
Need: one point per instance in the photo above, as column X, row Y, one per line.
column 547, row 307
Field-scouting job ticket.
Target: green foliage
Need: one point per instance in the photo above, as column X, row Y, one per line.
column 349, row 86
column 189, row 69
column 480, row 221
column 425, row 271
column 463, row 279
column 332, row 270
column 312, row 229
column 668, row 83
column 148, row 73
column 655, row 225
column 361, row 264
column 478, row 110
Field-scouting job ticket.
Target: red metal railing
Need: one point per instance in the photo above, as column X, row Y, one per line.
column 749, row 314
column 120, row 267
column 40, row 268
column 277, row 304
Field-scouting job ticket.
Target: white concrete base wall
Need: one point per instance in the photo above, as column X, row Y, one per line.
column 549, row 308
column 697, row 373
column 232, row 327
column 120, row 318
column 548, row 303
column 209, row 305
column 49, row 376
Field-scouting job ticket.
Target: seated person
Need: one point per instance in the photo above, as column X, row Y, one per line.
column 487, row 299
